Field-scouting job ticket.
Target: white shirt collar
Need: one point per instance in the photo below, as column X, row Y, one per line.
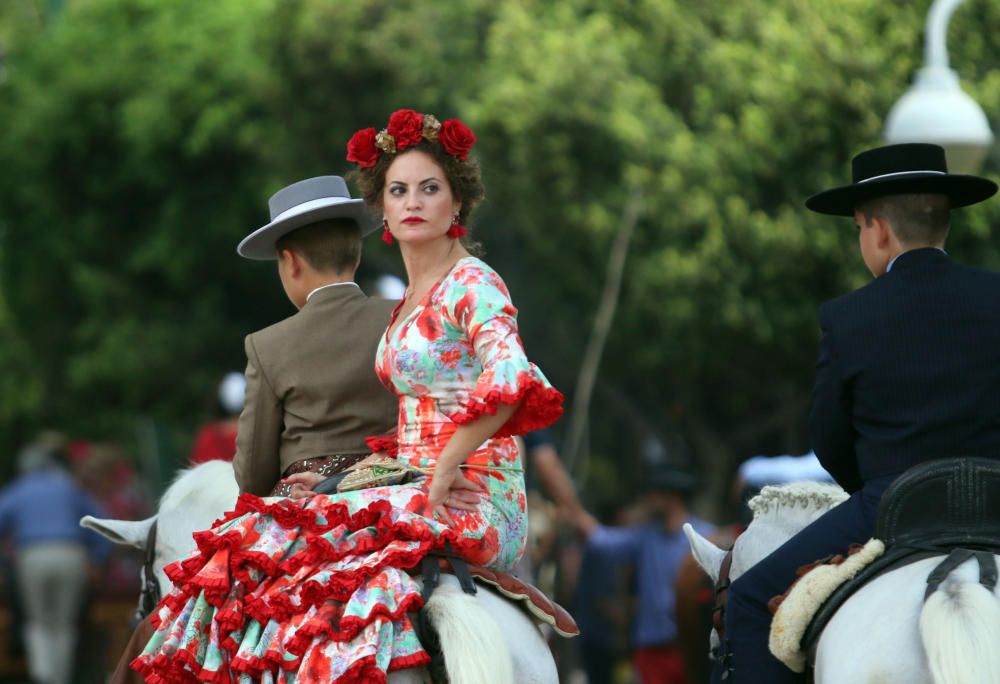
column 889, row 267
column 323, row 287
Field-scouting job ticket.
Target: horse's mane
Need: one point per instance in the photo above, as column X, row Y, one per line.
column 807, row 495
column 192, row 481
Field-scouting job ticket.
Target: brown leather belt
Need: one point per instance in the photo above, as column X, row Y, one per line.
column 323, row 465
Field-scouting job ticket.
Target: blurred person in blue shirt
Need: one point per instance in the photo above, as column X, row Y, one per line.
column 655, row 549
column 54, row 557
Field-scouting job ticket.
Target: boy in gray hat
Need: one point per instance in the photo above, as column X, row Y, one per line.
column 312, row 395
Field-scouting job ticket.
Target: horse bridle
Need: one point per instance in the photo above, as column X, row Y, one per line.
column 722, row 596
column 149, row 595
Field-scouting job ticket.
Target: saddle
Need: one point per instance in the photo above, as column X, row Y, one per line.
column 949, row 506
column 539, row 606
column 529, row 597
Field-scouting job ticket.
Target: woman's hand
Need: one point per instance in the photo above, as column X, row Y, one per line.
column 302, row 484
column 451, row 489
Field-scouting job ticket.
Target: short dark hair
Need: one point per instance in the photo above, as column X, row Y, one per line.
column 328, row 245
column 915, row 218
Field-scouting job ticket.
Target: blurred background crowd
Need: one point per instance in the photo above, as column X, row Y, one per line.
column 624, row 571
column 646, row 164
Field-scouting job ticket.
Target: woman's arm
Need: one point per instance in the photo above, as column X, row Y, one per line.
column 449, row 487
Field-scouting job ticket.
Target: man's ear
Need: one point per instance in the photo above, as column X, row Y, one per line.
column 293, row 260
column 883, row 232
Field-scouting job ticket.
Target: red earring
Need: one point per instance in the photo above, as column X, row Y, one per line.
column 457, row 230
column 386, row 233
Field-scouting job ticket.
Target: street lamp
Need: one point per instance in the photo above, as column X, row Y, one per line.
column 936, row 109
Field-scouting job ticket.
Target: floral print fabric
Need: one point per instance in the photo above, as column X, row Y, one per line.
column 315, row 590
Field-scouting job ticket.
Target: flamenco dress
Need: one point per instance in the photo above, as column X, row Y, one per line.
column 315, row 590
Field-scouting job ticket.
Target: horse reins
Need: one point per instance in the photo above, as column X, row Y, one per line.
column 149, row 595
column 722, row 595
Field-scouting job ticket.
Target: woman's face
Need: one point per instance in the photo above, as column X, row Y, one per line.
column 417, row 200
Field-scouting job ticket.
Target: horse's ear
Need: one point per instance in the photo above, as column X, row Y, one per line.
column 706, row 554
column 125, row 532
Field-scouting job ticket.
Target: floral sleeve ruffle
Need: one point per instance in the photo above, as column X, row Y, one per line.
column 481, row 306
column 541, row 403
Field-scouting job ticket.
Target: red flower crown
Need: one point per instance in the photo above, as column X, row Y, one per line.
column 407, row 128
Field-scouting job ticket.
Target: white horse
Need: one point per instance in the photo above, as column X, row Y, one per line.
column 485, row 638
column 885, row 632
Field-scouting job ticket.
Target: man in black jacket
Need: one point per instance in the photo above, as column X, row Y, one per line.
column 908, row 371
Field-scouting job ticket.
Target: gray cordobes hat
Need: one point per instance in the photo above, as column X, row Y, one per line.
column 302, row 203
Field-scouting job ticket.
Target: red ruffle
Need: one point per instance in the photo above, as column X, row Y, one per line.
column 541, row 405
column 351, row 625
column 388, row 444
column 421, row 659
column 234, row 602
column 363, row 671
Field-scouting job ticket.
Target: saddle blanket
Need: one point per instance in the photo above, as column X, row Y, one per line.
column 540, row 606
column 806, row 596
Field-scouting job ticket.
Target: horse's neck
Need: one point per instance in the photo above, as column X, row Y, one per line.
column 196, row 499
column 787, row 520
column 770, row 529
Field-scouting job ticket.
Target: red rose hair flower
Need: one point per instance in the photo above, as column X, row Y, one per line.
column 456, row 138
column 361, row 148
column 407, row 127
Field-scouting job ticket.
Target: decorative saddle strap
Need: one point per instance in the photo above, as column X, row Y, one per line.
column 430, row 569
column 530, row 598
column 987, row 569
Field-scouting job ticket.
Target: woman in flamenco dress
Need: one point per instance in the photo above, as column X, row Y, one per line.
column 316, row 589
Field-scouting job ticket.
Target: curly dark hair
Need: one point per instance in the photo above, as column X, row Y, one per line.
column 464, row 178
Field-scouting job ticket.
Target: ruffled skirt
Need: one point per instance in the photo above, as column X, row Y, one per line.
column 315, row 590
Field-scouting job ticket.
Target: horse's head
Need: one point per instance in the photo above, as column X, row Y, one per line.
column 194, row 500
column 779, row 512
column 133, row 533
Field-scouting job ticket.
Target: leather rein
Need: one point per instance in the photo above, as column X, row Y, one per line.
column 722, row 596
column 149, row 595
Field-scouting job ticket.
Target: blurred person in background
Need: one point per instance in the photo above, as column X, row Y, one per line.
column 552, row 499
column 602, row 604
column 388, row 286
column 53, row 556
column 655, row 549
column 106, row 471
column 217, row 440
column 757, row 472
column 544, row 471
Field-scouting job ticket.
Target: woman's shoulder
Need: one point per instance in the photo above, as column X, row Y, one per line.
column 473, row 272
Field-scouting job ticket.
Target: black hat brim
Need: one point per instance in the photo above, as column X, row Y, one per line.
column 670, row 480
column 962, row 190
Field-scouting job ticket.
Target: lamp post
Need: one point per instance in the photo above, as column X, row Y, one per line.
column 936, row 109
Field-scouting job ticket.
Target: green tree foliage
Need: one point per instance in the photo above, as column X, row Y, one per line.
column 142, row 139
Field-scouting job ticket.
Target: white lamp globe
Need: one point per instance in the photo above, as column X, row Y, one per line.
column 936, row 110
